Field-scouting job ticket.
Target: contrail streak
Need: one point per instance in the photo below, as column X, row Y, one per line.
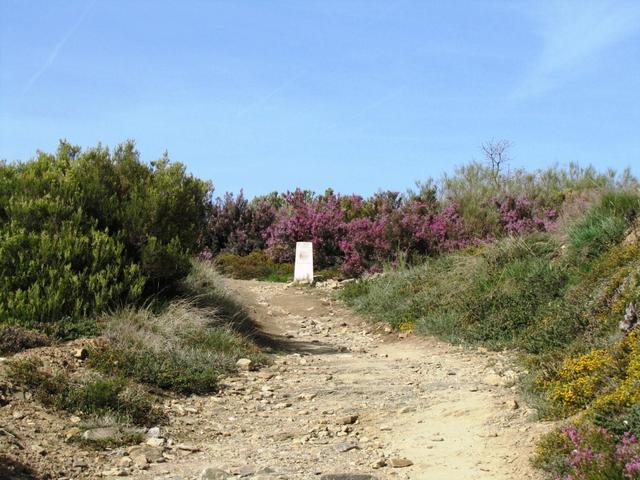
column 56, row 50
column 289, row 81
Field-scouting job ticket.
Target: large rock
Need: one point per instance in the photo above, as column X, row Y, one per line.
column 400, row 462
column 347, row 420
column 493, row 379
column 346, row 446
column 81, row 353
column 245, row 364
column 69, row 433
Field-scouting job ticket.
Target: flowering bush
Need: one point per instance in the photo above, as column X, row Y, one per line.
column 604, row 380
column 519, row 214
column 428, row 232
column 581, row 379
column 360, row 235
column 365, row 246
column 237, row 225
column 320, row 221
column 586, row 452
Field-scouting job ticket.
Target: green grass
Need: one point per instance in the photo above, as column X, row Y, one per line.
column 183, row 349
column 489, row 295
column 603, row 226
column 186, row 347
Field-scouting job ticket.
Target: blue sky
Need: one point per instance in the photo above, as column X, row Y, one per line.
column 270, row 95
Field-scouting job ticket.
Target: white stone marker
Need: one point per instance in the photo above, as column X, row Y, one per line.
column 303, row 271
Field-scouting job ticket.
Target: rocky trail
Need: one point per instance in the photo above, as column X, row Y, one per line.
column 343, row 399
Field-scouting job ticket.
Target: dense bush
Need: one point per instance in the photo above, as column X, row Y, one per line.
column 83, row 231
column 519, row 215
column 238, row 226
column 475, row 187
column 320, row 220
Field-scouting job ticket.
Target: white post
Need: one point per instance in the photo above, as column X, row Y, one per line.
column 303, row 271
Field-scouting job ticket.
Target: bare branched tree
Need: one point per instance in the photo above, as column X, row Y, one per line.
column 496, row 153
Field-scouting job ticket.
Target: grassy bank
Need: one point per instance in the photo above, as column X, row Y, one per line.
column 556, row 297
column 182, row 345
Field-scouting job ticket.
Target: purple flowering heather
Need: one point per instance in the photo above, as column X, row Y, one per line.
column 356, row 234
column 597, row 454
column 520, row 215
column 237, row 225
column 365, row 246
column 320, row 221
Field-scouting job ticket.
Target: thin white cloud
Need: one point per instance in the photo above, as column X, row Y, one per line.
column 56, row 49
column 271, row 94
column 574, row 34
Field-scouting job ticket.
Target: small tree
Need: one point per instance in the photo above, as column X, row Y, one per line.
column 496, row 155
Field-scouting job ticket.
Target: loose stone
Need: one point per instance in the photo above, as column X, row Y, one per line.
column 400, row 462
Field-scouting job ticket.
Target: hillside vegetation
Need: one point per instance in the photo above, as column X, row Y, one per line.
column 559, row 297
column 101, row 244
column 353, row 235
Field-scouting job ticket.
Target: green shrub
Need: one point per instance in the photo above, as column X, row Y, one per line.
column 17, row 339
column 66, row 274
column 256, row 265
column 83, row 232
column 629, row 421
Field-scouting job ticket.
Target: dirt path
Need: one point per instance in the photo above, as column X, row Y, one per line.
column 347, row 399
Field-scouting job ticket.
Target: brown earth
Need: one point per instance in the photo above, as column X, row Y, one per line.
column 342, row 397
